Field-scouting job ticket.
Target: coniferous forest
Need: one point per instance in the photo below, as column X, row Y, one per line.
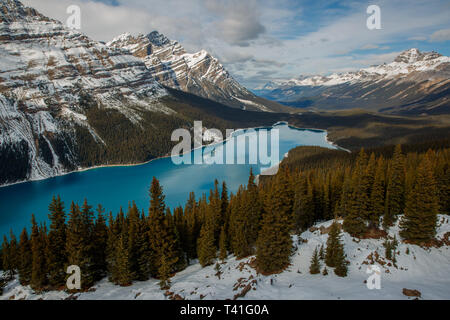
column 368, row 191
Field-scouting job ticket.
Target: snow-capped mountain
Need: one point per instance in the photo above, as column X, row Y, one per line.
column 69, row 102
column 199, row 73
column 45, row 72
column 414, row 82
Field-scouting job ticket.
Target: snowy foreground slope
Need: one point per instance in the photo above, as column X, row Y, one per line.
column 425, row 270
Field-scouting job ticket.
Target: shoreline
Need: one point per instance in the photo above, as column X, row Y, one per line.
column 80, row 169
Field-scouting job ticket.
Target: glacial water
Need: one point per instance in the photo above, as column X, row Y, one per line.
column 114, row 187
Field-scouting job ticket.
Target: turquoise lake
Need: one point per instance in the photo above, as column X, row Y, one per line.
column 114, row 187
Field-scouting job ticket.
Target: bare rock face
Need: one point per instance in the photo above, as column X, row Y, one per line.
column 198, row 73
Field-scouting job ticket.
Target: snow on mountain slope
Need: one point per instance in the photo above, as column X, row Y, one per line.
column 405, row 64
column 417, row 268
column 415, row 82
column 46, row 70
column 198, row 73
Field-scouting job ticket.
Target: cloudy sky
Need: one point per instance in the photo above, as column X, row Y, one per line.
column 262, row 40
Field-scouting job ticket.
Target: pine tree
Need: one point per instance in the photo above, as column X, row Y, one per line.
column 395, row 194
column 38, row 269
column 100, row 238
column 274, row 245
column 357, row 215
column 123, row 274
column 133, row 217
column 333, row 245
column 144, row 253
column 206, row 249
column 377, row 195
column 315, row 263
column 79, row 246
column 335, row 255
column 56, row 258
column 223, row 245
column 156, row 223
column 341, row 263
column 26, row 259
column 321, row 253
column 192, row 226
column 6, row 258
column 162, row 234
column 419, row 221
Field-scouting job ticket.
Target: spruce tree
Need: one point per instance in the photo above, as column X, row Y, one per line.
column 38, row 268
column 223, row 245
column 315, row 263
column 123, row 274
column 25, row 259
column 14, row 251
column 163, row 242
column 419, row 221
column 79, row 244
column 395, row 194
column 358, row 213
column 333, row 245
column 341, row 263
column 56, row 258
column 274, row 244
column 206, row 249
column 100, row 238
column 6, row 257
column 377, row 196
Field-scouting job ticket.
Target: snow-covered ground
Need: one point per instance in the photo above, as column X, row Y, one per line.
column 425, row 270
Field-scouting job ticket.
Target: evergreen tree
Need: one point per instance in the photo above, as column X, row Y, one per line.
column 395, row 194
column 133, row 217
column 163, row 239
column 206, row 249
column 100, row 238
column 38, row 268
column 123, row 275
column 6, row 258
column 26, row 259
column 315, row 263
column 341, row 264
column 223, row 245
column 355, row 220
column 377, row 195
column 333, row 246
column 274, row 243
column 56, row 257
column 419, row 221
column 79, row 246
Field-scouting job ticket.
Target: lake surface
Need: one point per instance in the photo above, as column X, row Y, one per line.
column 114, row 187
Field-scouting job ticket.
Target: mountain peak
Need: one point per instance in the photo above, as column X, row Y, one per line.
column 157, row 39
column 14, row 10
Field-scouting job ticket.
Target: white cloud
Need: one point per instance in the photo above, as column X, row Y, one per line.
column 440, row 35
column 261, row 39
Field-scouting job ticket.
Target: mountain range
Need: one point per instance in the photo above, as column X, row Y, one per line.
column 198, row 73
column 69, row 102
column 414, row 83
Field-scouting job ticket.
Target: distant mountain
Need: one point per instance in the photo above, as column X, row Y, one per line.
column 414, row 83
column 198, row 73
